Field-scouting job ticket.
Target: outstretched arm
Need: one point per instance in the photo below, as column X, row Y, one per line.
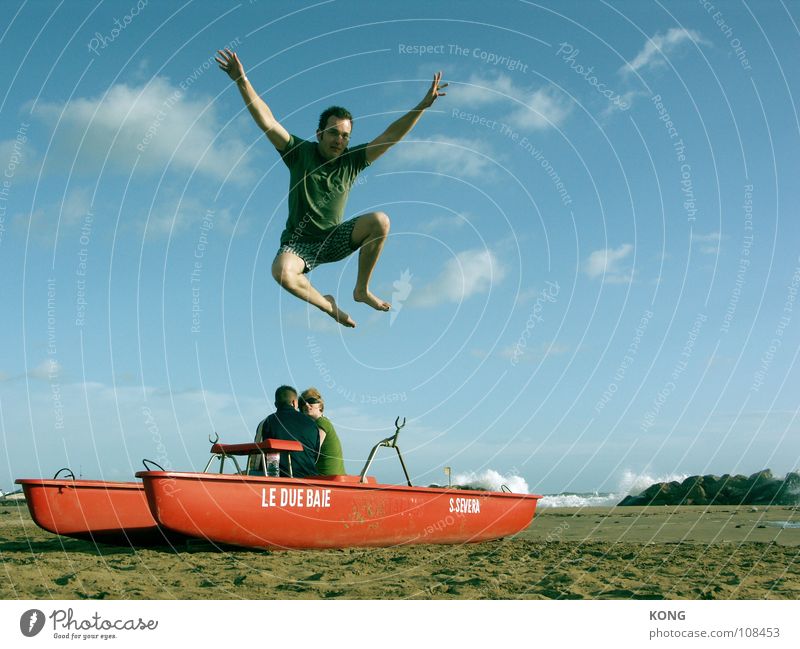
column 230, row 63
column 399, row 128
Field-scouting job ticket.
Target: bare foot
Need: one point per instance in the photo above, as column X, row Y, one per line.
column 368, row 298
column 337, row 314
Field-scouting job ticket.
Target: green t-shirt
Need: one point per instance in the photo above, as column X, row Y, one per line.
column 318, row 188
column 330, row 460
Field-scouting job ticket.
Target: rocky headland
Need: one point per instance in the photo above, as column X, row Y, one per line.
column 761, row 488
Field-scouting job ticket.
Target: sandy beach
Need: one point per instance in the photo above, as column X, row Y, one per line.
column 589, row 553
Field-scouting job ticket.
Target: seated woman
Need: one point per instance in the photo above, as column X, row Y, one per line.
column 330, row 461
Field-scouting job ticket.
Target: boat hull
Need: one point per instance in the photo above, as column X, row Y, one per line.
column 106, row 512
column 285, row 513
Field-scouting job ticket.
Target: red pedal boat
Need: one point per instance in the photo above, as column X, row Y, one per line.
column 326, row 512
column 96, row 510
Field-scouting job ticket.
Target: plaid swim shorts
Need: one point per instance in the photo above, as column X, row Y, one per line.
column 337, row 245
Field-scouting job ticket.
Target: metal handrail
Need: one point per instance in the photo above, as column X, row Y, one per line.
column 389, row 442
column 222, row 457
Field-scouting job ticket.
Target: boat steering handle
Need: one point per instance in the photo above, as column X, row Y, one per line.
column 389, row 442
column 69, row 473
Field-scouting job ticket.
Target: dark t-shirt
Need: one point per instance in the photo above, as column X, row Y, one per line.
column 288, row 423
column 318, row 189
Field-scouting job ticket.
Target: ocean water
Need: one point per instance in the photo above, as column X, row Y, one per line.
column 566, row 499
column 630, row 483
column 786, row 525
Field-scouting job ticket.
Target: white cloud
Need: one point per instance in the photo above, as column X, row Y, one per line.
column 606, row 264
column 41, row 226
column 19, row 158
column 660, row 46
column 471, row 272
column 176, row 212
column 77, row 204
column 46, row 369
column 708, row 243
column 41, row 221
column 626, row 99
column 545, row 108
column 480, row 91
column 448, row 223
column 460, row 157
column 157, row 121
column 541, row 108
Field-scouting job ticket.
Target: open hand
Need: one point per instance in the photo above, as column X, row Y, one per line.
column 230, row 63
column 434, row 92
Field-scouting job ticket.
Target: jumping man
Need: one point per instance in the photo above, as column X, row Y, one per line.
column 321, row 175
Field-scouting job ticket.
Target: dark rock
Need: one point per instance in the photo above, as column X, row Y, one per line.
column 789, row 491
column 760, row 488
column 691, row 481
column 766, row 474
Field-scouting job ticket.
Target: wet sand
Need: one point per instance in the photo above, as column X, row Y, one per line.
column 589, row 553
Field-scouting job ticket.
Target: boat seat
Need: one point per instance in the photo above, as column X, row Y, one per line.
column 256, row 448
column 253, row 449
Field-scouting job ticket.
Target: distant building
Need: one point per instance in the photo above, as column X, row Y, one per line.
column 12, row 495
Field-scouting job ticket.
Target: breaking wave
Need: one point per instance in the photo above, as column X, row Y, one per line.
column 491, row 480
column 630, row 484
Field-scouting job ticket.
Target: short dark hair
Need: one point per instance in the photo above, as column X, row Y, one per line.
column 333, row 111
column 284, row 395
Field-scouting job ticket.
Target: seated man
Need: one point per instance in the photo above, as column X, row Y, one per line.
column 288, row 423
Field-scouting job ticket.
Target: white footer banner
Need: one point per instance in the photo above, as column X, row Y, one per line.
column 335, row 624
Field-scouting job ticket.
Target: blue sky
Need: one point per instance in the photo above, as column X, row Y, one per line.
column 594, row 253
